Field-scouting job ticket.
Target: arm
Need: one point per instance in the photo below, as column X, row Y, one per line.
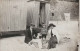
column 48, row 35
column 57, row 35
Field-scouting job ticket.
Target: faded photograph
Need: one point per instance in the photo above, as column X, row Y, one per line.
column 39, row 25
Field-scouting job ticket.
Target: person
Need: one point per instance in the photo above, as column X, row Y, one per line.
column 36, row 42
column 43, row 31
column 43, row 35
column 31, row 36
column 29, row 33
column 52, row 36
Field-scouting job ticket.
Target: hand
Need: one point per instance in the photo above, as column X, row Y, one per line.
column 47, row 41
column 30, row 43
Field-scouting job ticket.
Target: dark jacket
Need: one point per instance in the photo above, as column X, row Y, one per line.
column 52, row 42
column 29, row 36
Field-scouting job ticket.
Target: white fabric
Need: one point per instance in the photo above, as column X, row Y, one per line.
column 38, row 41
column 55, row 32
column 31, row 30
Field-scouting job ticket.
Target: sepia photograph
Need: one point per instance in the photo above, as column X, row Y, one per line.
column 39, row 25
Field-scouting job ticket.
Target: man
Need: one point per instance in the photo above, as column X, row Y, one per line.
column 52, row 37
column 31, row 36
column 30, row 33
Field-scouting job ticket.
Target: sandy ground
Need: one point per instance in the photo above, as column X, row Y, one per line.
column 66, row 29
column 17, row 44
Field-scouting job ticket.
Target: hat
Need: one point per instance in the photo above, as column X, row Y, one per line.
column 52, row 25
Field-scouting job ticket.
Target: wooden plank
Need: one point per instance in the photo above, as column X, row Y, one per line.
column 33, row 13
column 13, row 15
column 36, row 13
column 79, row 18
column 47, row 13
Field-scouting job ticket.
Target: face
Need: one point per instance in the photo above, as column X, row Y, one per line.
column 51, row 27
column 31, row 26
column 44, row 25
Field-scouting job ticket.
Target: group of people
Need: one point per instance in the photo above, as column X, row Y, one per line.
column 40, row 35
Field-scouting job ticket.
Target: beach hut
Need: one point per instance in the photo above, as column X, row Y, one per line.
column 38, row 12
column 15, row 15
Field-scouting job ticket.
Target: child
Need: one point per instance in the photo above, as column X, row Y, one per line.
column 43, row 32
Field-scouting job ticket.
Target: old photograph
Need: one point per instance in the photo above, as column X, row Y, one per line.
column 39, row 25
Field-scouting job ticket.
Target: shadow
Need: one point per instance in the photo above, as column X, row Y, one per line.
column 8, row 34
column 13, row 35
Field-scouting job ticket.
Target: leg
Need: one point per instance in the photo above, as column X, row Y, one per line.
column 45, row 36
column 49, row 45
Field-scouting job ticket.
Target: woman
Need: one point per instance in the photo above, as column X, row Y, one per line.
column 52, row 36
